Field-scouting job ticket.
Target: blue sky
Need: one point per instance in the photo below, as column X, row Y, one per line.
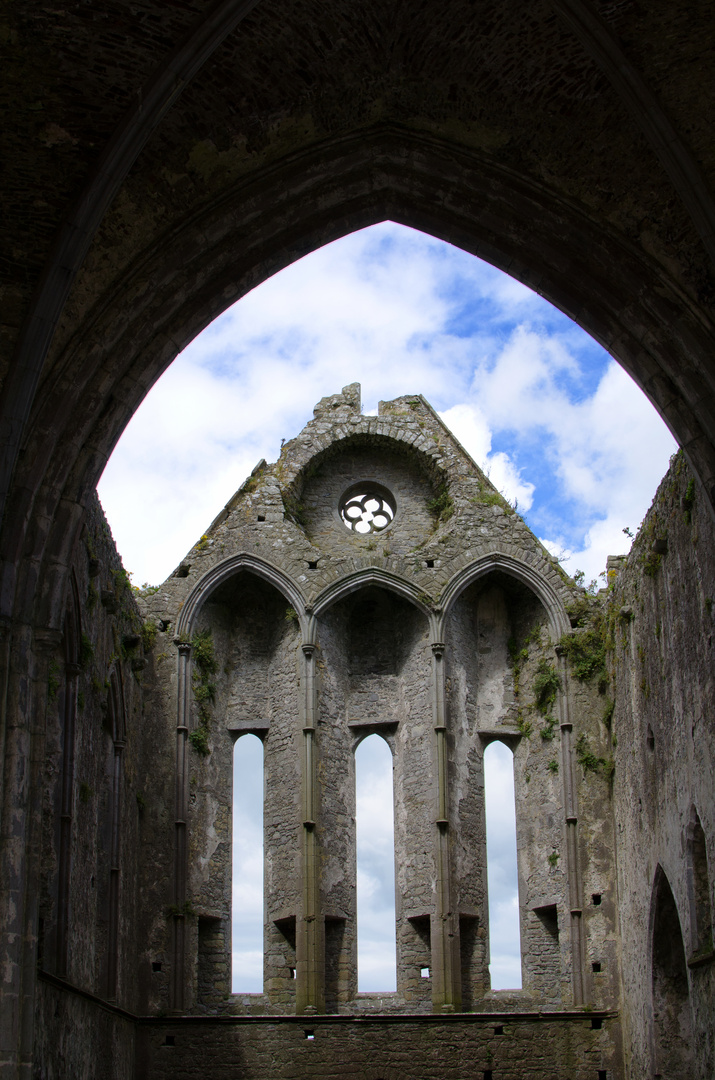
column 557, row 425
column 375, row 850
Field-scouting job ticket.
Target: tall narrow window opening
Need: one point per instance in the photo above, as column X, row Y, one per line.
column 247, row 909
column 374, row 818
column 502, row 875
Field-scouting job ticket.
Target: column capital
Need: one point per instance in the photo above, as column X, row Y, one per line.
column 438, row 648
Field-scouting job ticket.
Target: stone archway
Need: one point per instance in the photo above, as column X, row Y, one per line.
column 672, row 1043
column 565, row 144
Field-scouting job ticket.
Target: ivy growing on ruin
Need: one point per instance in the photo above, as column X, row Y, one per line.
column 205, row 665
column 442, row 506
column 547, row 684
column 586, row 650
column 590, row 762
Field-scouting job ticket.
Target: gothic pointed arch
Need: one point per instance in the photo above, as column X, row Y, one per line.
column 226, row 569
column 671, row 1041
column 544, row 582
column 361, row 579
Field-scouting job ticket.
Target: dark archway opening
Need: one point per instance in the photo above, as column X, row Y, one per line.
column 672, row 1048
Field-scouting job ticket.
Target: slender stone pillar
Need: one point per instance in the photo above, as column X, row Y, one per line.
column 72, row 670
column 310, row 923
column 181, row 812
column 446, row 966
column 573, row 868
column 114, row 872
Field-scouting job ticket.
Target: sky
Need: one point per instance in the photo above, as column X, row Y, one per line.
column 375, row 865
column 247, row 923
column 374, row 815
column 558, row 426
column 375, row 844
column 502, row 876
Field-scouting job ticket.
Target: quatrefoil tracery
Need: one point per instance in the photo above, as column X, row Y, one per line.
column 367, row 509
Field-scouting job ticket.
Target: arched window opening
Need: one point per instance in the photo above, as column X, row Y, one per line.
column 375, row 842
column 502, row 874
column 247, row 908
column 672, row 1032
column 701, row 925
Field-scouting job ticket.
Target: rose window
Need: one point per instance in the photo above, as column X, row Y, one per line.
column 367, row 508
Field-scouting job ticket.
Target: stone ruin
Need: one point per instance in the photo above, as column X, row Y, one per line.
column 374, row 580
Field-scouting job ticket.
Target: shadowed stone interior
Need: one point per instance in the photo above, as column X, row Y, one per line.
column 453, row 630
column 159, row 161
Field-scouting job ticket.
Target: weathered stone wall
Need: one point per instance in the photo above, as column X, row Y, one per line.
column 546, row 156
column 79, row 1038
column 532, row 1047
column 94, row 820
column 375, row 673
column 495, row 641
column 375, row 666
column 605, row 706
column 663, row 638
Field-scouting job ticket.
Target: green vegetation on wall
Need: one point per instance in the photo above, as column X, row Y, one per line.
column 204, row 666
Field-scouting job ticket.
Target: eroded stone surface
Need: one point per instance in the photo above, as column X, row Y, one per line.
column 448, row 629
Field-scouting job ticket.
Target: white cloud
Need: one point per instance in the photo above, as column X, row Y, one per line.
column 469, row 425
column 559, row 428
column 247, row 851
column 375, row 846
column 504, row 940
column 379, row 307
column 612, row 452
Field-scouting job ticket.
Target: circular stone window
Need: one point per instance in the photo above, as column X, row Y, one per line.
column 367, row 508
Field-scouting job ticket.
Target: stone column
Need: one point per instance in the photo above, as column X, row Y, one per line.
column 114, row 871
column 310, row 922
column 573, row 868
column 446, row 963
column 64, row 860
column 181, row 812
